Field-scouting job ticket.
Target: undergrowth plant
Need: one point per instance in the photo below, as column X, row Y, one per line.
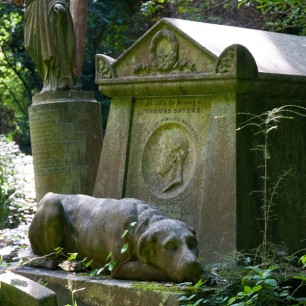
column 273, row 281
column 17, row 205
column 69, row 266
column 265, row 124
column 268, row 286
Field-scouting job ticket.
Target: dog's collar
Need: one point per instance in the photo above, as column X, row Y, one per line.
column 143, row 219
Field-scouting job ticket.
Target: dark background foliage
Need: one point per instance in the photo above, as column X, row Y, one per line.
column 112, row 27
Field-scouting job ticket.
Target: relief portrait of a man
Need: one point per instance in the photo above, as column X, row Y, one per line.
column 173, row 148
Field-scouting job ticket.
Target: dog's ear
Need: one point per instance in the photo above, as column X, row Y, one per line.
column 146, row 246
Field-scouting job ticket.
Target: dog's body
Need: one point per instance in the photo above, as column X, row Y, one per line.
column 158, row 248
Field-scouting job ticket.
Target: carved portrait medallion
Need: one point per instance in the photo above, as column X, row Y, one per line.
column 168, row 160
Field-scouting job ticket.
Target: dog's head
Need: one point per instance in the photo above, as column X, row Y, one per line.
column 172, row 246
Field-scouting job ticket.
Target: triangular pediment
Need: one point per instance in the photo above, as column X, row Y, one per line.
column 177, row 47
column 163, row 50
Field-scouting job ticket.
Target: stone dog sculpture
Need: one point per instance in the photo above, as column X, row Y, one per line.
column 159, row 248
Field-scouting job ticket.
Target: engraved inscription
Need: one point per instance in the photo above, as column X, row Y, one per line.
column 53, row 144
column 179, row 120
column 172, row 107
column 173, row 208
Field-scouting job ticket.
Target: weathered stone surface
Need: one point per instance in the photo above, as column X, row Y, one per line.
column 157, row 248
column 50, row 41
column 273, row 52
column 66, row 136
column 97, row 291
column 112, row 170
column 16, row 290
column 182, row 88
column 184, row 187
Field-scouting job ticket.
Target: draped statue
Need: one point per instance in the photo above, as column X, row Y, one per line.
column 50, row 41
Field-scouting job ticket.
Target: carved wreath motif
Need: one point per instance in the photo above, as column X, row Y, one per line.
column 164, row 57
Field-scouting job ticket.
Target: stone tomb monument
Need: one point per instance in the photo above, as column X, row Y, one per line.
column 66, row 137
column 65, row 122
column 178, row 98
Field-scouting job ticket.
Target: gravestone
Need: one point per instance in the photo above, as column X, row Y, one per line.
column 66, row 138
column 179, row 94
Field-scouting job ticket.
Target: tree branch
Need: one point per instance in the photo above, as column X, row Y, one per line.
column 15, row 98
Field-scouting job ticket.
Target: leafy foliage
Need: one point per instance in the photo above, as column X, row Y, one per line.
column 264, row 286
column 112, row 27
column 233, row 281
column 219, row 11
column 286, row 16
column 17, row 204
column 18, row 78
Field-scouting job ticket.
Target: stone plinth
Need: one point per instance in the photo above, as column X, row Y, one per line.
column 97, row 291
column 16, row 290
column 179, row 95
column 66, row 137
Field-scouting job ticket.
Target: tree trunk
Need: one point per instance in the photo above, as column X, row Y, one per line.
column 78, row 10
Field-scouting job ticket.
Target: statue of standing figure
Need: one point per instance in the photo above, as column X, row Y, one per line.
column 50, row 41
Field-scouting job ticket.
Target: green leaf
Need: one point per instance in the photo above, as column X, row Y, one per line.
column 231, row 300
column 93, row 272
column 198, row 284
column 72, row 256
column 133, row 224
column 198, row 302
column 124, row 234
column 271, row 282
column 124, row 248
column 247, row 289
column 100, row 270
column 191, row 297
column 303, row 278
column 88, row 264
column 256, row 288
column 111, row 265
column 59, row 250
column 183, row 298
column 303, row 260
column 110, row 254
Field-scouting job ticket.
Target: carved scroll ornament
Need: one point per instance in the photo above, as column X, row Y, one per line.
column 227, row 63
column 104, row 69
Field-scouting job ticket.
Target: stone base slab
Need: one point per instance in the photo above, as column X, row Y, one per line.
column 16, row 290
column 103, row 290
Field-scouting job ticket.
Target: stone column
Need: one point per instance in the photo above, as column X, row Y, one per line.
column 66, row 137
